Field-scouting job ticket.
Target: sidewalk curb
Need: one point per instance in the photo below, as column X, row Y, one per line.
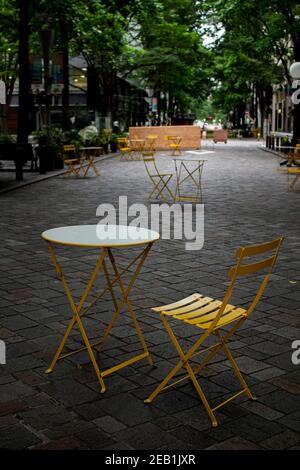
column 274, row 152
column 53, row 174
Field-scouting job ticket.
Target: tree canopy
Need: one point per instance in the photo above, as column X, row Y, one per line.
column 231, row 51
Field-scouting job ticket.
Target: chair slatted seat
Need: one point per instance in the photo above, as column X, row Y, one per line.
column 72, row 160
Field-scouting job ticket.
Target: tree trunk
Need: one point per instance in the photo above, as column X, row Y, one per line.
column 93, row 89
column 66, row 80
column 262, row 106
column 296, row 125
column 24, row 74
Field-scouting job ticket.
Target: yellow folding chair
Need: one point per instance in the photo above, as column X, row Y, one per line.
column 151, row 142
column 175, row 144
column 159, row 180
column 123, row 147
column 71, row 159
column 293, row 158
column 210, row 317
column 296, row 172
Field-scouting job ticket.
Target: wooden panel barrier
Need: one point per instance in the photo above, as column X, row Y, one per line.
column 191, row 136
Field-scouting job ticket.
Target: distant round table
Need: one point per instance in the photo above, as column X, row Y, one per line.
column 106, row 238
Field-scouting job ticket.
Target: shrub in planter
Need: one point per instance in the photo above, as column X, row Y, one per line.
column 113, row 141
column 49, row 148
column 105, row 138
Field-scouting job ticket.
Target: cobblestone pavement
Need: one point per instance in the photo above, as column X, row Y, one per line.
column 246, row 201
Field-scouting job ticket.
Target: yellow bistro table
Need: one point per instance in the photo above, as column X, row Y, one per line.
column 106, row 238
column 89, row 154
column 188, row 169
column 137, row 147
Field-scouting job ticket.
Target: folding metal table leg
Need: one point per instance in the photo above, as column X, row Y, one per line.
column 76, row 314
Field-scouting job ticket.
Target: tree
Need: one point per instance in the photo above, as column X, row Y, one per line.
column 25, row 105
column 170, row 58
column 267, row 33
column 8, row 53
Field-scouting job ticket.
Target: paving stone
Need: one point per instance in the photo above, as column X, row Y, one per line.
column 61, row 444
column 235, row 443
column 12, row 407
column 17, row 322
column 18, row 390
column 133, row 413
column 35, row 313
column 253, row 427
column 67, row 429
column 268, row 373
column 286, row 384
column 262, row 410
column 291, row 420
column 95, row 439
column 249, row 365
column 146, row 436
column 282, row 401
column 17, row 437
column 46, row 416
column 69, row 392
column 281, row 441
column 109, row 424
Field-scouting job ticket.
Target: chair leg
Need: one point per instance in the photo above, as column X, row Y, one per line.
column 235, row 367
column 293, row 183
column 184, row 358
column 190, row 371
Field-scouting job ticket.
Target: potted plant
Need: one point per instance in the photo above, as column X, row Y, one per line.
column 105, row 138
column 49, row 148
column 113, row 143
column 72, row 137
column 286, row 142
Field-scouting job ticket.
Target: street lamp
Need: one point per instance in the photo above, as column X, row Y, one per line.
column 46, row 36
column 295, row 70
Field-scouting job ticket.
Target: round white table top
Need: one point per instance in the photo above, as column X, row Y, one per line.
column 100, row 235
column 188, row 159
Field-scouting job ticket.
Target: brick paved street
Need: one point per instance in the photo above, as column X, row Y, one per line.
column 246, row 201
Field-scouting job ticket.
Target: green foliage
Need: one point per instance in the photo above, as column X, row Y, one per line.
column 7, row 139
column 54, row 137
column 256, row 41
column 160, row 44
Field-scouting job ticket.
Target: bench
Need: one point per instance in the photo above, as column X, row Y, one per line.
column 19, row 153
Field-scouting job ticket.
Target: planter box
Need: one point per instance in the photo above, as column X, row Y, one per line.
column 220, row 136
column 19, row 153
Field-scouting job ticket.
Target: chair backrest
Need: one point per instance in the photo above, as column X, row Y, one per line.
column 122, row 142
column 150, row 166
column 259, row 266
column 69, row 151
column 151, row 136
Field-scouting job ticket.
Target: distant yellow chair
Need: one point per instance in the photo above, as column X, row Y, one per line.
column 71, row 159
column 159, row 180
column 210, row 317
column 175, row 145
column 124, row 148
column 294, row 157
column 151, row 142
